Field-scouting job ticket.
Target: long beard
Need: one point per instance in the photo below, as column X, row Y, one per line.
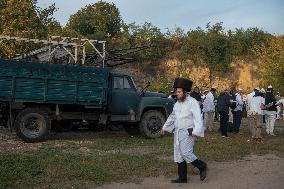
column 181, row 99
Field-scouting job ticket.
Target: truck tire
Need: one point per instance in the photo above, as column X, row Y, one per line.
column 32, row 125
column 151, row 123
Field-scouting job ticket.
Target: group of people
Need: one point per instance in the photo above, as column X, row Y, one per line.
column 260, row 105
column 193, row 113
column 228, row 107
column 263, row 108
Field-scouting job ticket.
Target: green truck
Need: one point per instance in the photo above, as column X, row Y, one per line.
column 36, row 96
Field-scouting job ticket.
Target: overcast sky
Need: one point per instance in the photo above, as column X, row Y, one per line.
column 188, row 14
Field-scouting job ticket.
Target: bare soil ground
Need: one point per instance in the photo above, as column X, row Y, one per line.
column 252, row 172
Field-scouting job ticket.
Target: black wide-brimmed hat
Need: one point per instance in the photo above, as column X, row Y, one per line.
column 183, row 83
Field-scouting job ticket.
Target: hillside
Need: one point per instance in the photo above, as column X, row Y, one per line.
column 244, row 73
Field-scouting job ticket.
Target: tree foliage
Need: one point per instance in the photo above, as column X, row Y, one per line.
column 213, row 46
column 216, row 48
column 24, row 19
column 101, row 18
column 148, row 35
column 272, row 63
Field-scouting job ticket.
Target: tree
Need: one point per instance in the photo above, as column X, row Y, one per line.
column 46, row 16
column 162, row 84
column 272, row 63
column 243, row 41
column 194, row 46
column 176, row 41
column 96, row 19
column 210, row 47
column 148, row 35
column 217, row 54
column 24, row 19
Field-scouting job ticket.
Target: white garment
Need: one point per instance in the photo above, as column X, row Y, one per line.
column 270, row 117
column 231, row 118
column 255, row 104
column 278, row 112
column 185, row 115
column 183, row 147
column 279, row 102
column 208, row 103
column 249, row 98
column 209, row 121
column 239, row 103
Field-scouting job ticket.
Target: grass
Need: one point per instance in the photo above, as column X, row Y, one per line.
column 94, row 159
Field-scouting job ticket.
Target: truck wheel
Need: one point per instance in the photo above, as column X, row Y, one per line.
column 32, row 125
column 151, row 123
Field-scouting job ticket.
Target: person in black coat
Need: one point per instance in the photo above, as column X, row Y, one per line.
column 225, row 101
column 197, row 96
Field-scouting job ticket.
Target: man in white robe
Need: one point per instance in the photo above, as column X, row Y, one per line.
column 186, row 123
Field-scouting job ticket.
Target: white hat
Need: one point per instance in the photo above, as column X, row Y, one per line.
column 270, row 87
column 240, row 89
column 256, row 88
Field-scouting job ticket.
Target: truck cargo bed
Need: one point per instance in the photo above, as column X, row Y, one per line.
column 52, row 83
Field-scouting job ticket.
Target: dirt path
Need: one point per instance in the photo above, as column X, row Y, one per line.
column 252, row 172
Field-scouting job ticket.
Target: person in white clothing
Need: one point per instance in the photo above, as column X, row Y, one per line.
column 208, row 109
column 279, row 104
column 255, row 113
column 248, row 101
column 250, row 95
column 278, row 97
column 186, row 122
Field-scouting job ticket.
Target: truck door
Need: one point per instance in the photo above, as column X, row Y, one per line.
column 124, row 96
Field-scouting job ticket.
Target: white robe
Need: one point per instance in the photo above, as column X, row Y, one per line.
column 185, row 115
column 240, row 103
column 208, row 104
column 248, row 100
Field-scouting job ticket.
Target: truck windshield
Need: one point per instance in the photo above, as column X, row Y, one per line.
column 133, row 83
column 122, row 83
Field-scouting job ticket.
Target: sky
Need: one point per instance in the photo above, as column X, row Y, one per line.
column 187, row 14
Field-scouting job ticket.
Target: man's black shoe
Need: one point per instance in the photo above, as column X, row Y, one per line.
column 203, row 173
column 202, row 166
column 178, row 180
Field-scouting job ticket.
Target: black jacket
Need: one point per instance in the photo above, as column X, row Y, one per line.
column 196, row 95
column 224, row 103
column 269, row 98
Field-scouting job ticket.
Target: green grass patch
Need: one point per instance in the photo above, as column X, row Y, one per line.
column 105, row 158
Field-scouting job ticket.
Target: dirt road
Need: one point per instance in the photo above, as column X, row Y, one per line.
column 252, row 172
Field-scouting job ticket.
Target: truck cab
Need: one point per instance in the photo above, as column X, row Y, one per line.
column 137, row 110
